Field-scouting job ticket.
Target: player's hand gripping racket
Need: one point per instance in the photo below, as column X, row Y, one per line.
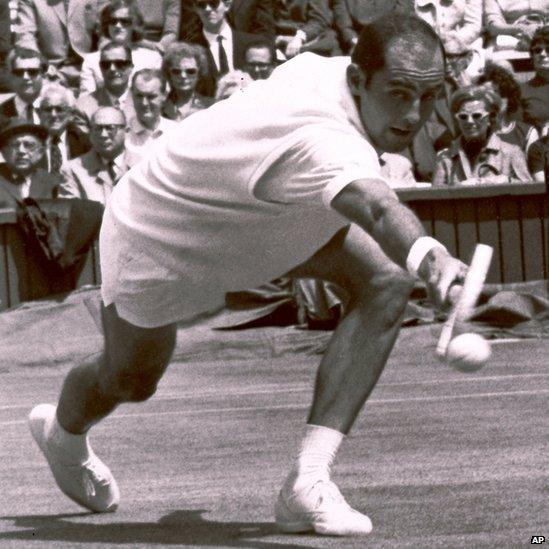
column 472, row 286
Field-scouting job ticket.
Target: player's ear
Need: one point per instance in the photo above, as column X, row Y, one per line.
column 353, row 79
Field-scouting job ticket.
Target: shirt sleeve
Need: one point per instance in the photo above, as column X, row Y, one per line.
column 315, row 167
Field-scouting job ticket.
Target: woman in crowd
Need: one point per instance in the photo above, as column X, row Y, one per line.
column 511, row 129
column 512, row 23
column 535, row 92
column 478, row 155
column 185, row 68
column 122, row 23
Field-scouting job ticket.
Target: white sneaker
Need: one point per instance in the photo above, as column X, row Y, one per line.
column 319, row 507
column 89, row 484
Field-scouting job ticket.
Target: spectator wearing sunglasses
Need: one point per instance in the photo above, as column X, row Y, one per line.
column 224, row 46
column 149, row 91
column 56, row 108
column 184, row 67
column 478, row 156
column 121, row 23
column 26, row 69
column 93, row 175
column 115, row 62
column 535, row 92
column 62, row 30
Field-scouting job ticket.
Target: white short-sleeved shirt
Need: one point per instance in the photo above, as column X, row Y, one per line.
column 240, row 193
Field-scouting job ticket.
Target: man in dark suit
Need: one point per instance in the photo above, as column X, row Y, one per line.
column 65, row 141
column 249, row 16
column 94, row 174
column 225, row 47
column 26, row 69
column 116, row 67
column 21, row 174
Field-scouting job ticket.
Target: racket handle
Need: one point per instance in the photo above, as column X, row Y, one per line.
column 472, row 287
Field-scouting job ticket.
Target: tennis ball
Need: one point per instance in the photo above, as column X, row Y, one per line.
column 468, row 352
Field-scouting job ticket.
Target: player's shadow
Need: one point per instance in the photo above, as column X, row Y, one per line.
column 184, row 527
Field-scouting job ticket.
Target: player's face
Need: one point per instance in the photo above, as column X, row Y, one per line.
column 27, row 78
column 397, row 100
column 148, row 98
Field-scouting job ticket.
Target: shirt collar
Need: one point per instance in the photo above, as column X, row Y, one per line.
column 21, row 106
column 225, row 31
column 138, row 128
column 121, row 99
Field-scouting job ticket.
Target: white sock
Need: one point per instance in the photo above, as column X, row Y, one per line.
column 316, row 455
column 70, row 448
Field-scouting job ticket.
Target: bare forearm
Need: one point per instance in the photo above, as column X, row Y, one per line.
column 379, row 212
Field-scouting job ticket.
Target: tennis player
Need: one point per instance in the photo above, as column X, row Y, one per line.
column 280, row 178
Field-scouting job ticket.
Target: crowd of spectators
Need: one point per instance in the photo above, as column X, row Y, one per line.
column 101, row 79
column 90, row 84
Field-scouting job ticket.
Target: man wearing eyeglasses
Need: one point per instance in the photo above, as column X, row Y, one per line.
column 21, row 175
column 56, row 109
column 26, row 68
column 281, row 178
column 94, row 174
column 116, row 66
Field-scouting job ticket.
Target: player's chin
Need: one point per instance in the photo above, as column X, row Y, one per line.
column 396, row 140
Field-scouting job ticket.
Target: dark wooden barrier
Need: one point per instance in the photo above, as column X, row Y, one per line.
column 23, row 276
column 514, row 219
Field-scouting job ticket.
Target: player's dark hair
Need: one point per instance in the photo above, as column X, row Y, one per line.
column 369, row 53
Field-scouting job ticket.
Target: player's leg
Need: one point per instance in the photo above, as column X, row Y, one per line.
column 133, row 362
column 357, row 353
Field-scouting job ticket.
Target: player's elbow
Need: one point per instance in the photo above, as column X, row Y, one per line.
column 366, row 202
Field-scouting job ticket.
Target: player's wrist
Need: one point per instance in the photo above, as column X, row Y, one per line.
column 423, row 247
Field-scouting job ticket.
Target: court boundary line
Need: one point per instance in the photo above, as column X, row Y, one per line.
column 371, row 402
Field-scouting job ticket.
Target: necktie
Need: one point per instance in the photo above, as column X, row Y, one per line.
column 56, row 158
column 111, row 168
column 223, row 63
column 29, row 113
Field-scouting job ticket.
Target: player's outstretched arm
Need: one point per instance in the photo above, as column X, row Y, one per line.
column 375, row 207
